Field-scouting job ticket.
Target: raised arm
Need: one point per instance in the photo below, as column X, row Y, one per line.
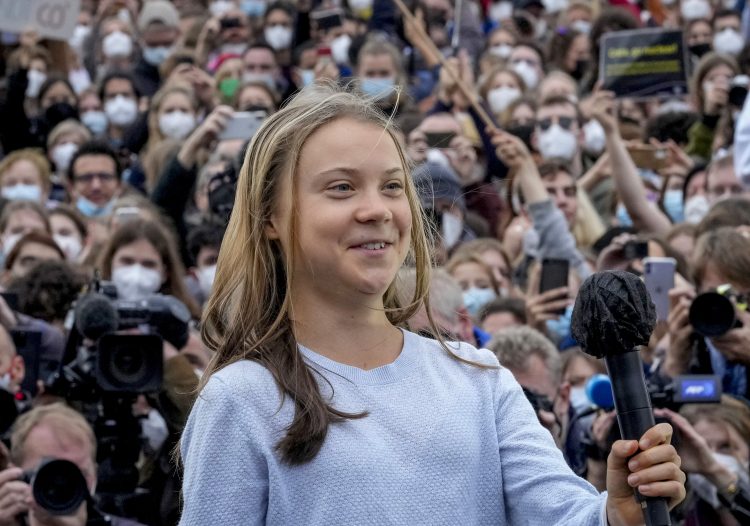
column 646, row 216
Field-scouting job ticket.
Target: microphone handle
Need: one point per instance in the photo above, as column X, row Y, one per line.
column 635, row 417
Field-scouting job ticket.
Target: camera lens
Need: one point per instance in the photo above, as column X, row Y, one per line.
column 128, row 365
column 712, row 314
column 59, row 487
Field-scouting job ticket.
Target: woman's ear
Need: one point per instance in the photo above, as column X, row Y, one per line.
column 272, row 232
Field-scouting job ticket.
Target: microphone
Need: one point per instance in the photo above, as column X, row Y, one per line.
column 599, row 391
column 95, row 316
column 612, row 317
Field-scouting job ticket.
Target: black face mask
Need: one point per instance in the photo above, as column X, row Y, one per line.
column 700, row 49
column 59, row 112
column 582, row 66
column 523, row 132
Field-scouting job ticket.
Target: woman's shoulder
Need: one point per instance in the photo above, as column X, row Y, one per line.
column 462, row 350
column 242, row 380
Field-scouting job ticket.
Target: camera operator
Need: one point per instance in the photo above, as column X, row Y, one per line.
column 714, row 452
column 722, row 257
column 52, row 431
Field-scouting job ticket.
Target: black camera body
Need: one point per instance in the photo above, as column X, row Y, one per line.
column 713, row 314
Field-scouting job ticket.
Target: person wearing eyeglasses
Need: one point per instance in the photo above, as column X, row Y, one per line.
column 557, row 131
column 95, row 179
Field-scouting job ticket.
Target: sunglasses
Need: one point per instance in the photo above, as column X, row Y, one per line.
column 564, row 122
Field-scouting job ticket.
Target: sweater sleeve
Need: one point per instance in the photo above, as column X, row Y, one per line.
column 15, row 126
column 226, row 476
column 555, row 239
column 539, row 488
column 172, row 193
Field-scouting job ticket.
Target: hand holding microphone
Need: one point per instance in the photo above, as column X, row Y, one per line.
column 612, row 317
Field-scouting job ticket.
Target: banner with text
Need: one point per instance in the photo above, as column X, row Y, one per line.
column 643, row 63
column 54, row 19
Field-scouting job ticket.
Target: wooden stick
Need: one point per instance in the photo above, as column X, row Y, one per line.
column 438, row 56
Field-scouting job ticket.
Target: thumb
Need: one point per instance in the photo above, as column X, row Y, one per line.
column 617, row 468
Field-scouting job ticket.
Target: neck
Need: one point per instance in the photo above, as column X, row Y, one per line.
column 355, row 333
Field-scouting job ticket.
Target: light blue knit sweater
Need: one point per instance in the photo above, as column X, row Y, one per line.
column 444, row 443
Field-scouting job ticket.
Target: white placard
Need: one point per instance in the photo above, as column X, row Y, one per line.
column 50, row 18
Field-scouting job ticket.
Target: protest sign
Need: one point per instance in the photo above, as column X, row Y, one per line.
column 643, row 63
column 54, row 19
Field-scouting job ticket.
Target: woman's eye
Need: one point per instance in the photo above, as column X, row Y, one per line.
column 394, row 186
column 341, row 187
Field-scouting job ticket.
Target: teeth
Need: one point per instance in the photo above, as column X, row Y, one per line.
column 373, row 246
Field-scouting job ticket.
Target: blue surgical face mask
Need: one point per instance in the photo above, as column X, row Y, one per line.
column 476, row 298
column 579, row 400
column 253, row 8
column 377, row 88
column 91, row 209
column 156, row 55
column 673, row 205
column 560, row 328
column 307, row 76
column 22, row 192
column 623, row 219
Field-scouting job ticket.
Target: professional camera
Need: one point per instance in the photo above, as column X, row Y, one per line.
column 58, row 486
column 105, row 368
column 713, row 313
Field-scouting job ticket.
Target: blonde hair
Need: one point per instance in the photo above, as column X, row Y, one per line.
column 67, row 127
column 248, row 313
column 35, row 157
column 68, row 426
column 155, row 136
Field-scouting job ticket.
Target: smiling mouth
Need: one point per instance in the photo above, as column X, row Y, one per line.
column 378, row 245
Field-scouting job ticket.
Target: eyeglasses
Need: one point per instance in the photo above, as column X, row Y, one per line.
column 104, row 177
column 564, row 122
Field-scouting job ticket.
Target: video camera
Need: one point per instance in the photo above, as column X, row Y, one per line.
column 713, row 313
column 105, row 368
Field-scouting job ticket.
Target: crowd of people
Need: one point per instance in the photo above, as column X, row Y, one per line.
column 121, row 150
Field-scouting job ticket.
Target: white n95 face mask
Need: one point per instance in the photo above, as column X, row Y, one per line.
column 500, row 98
column 136, row 282
column 70, row 245
column 728, row 41
column 594, row 138
column 694, row 9
column 121, row 111
column 35, row 80
column 557, row 143
column 117, row 45
column 176, row 124
column 527, row 72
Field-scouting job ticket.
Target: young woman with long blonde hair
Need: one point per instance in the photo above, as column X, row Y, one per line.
column 317, row 408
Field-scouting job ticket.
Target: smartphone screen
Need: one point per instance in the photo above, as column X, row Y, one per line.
column 554, row 275
column 658, row 276
column 243, row 125
column 439, row 139
column 649, row 157
column 328, row 19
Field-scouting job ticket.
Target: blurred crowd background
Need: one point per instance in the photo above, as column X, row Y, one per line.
column 120, row 149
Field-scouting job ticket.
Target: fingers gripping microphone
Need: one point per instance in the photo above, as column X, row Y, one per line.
column 613, row 316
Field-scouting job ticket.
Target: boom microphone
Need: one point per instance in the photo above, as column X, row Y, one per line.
column 612, row 317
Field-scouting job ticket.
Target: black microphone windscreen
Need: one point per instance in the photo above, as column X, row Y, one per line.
column 613, row 314
column 95, row 316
